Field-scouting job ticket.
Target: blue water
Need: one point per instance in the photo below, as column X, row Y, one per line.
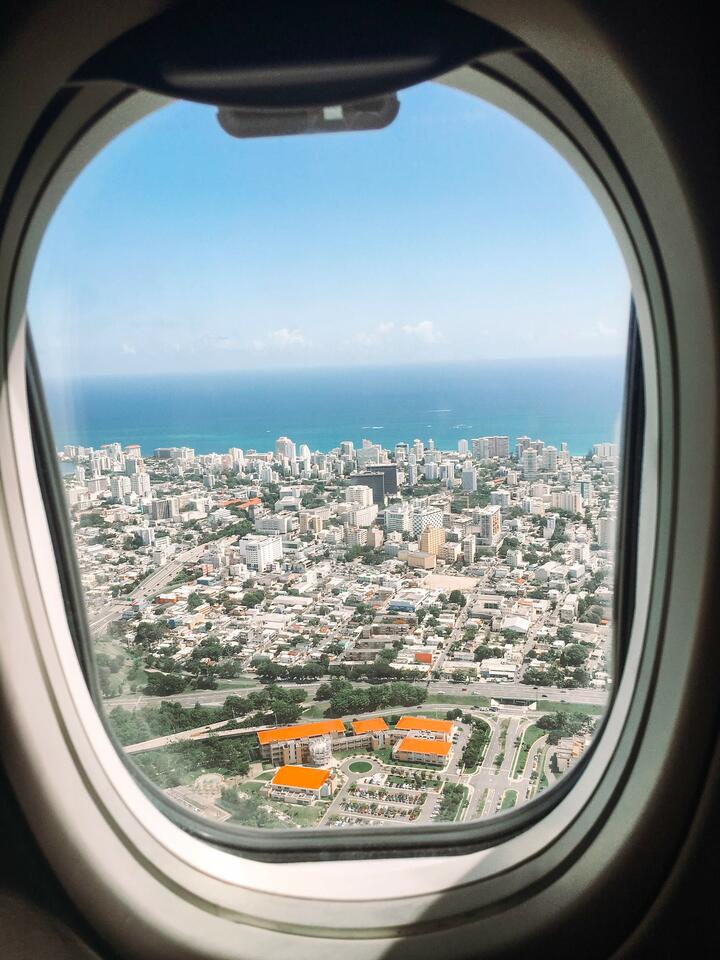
column 575, row 401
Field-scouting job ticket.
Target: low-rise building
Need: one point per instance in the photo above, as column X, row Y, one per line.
column 423, row 750
column 292, row 744
column 428, row 727
column 298, row 784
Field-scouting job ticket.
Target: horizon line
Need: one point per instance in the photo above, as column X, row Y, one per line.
column 132, row 374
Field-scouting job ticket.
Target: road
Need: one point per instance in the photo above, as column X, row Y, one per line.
column 513, row 691
column 149, row 587
column 519, row 691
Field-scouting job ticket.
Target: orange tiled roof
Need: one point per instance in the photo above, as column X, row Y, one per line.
column 424, row 723
column 308, row 778
column 298, row 731
column 438, row 748
column 371, row 725
column 423, row 658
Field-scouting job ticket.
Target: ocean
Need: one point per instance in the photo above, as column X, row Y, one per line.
column 576, row 401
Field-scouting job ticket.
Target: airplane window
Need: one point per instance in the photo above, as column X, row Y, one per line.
column 337, row 414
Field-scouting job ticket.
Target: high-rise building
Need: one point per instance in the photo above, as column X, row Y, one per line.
column 480, row 448
column 462, row 447
column 260, row 553
column 368, row 456
column 361, row 516
column 550, row 459
column 356, row 536
column 469, row 549
column 423, row 517
column 397, row 518
column 418, row 449
column 606, row 531
column 347, row 449
column 375, row 538
column 567, row 500
column 140, row 484
column 432, row 540
column 401, row 451
column 605, row 451
column 167, row 509
column 501, row 498
column 584, row 487
column 359, row 494
column 119, row 486
column 529, row 463
column 376, row 483
column 285, row 449
column 488, row 520
column 390, row 476
column 521, row 444
column 469, row 479
column 431, row 471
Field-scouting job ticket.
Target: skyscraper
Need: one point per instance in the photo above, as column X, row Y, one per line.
column 469, row 479
column 285, row 448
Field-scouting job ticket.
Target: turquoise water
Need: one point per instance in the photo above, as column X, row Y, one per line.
column 574, row 401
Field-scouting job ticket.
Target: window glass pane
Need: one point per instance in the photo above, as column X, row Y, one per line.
column 337, row 418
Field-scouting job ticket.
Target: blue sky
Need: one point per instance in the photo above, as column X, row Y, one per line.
column 455, row 234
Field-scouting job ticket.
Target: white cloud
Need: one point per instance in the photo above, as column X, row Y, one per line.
column 604, row 330
column 374, row 336
column 288, row 337
column 128, row 349
column 284, row 338
column 423, row 331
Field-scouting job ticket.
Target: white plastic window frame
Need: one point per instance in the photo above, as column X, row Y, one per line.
column 120, row 857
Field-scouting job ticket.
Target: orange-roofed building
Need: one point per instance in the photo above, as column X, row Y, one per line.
column 297, row 784
column 426, row 727
column 301, row 743
column 372, row 725
column 423, row 657
column 423, row 750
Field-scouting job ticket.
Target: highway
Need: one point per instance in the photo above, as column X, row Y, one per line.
column 519, row 691
column 153, row 584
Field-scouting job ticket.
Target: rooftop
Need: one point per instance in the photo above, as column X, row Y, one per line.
column 428, row 724
column 372, row 725
column 306, row 778
column 438, row 748
column 299, row 731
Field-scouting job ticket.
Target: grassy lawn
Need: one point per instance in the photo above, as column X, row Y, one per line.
column 532, row 733
column 237, row 683
column 471, row 700
column 509, row 799
column 246, row 813
column 360, row 766
column 305, row 816
column 316, row 710
column 556, row 706
column 480, row 806
column 500, row 755
column 454, row 800
column 265, row 776
column 250, row 787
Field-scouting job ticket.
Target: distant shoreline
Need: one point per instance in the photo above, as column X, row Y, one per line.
column 571, row 401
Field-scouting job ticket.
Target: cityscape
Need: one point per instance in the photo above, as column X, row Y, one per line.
column 358, row 637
